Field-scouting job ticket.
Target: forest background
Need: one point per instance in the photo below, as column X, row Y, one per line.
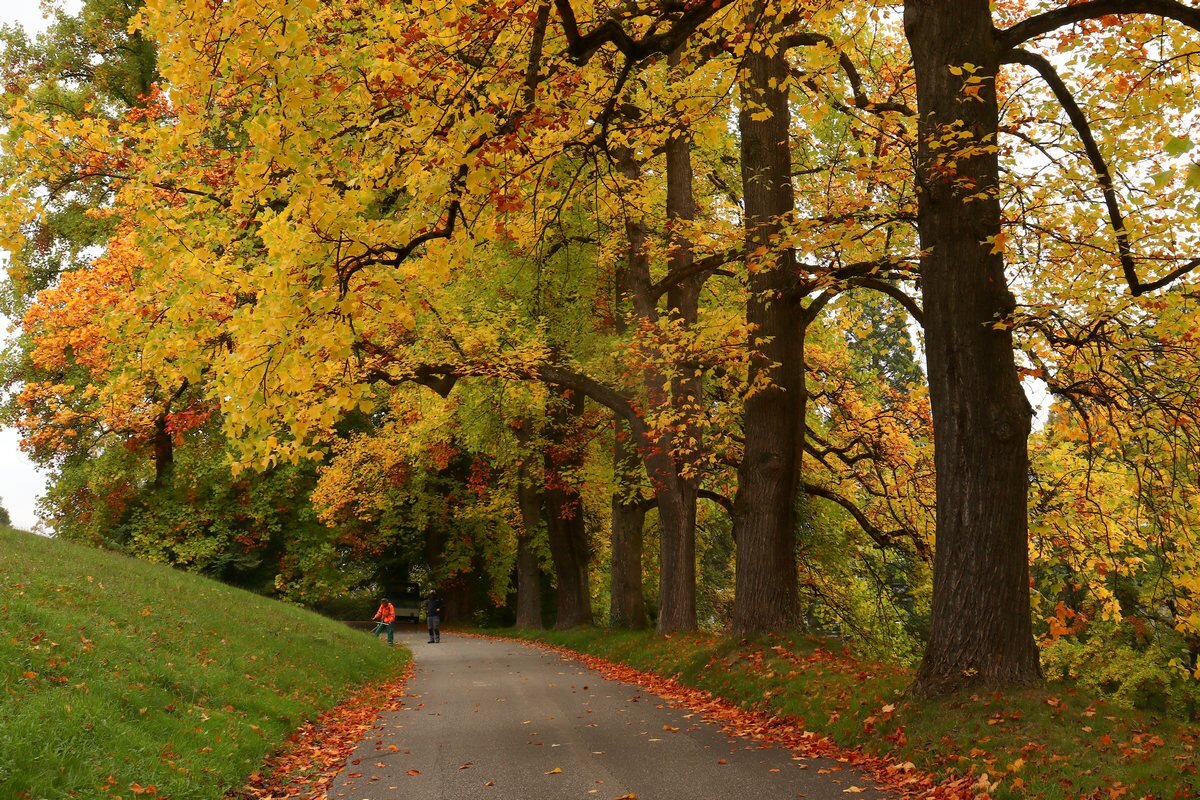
column 612, row 313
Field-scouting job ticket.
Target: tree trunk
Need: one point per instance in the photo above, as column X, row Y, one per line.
column 564, row 516
column 627, row 602
column 680, row 479
column 768, row 476
column 164, row 452
column 676, row 512
column 529, row 578
column 981, row 631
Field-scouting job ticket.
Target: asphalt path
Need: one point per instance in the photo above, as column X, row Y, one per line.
column 504, row 720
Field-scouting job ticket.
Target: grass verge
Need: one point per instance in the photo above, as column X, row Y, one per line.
column 1056, row 743
column 122, row 679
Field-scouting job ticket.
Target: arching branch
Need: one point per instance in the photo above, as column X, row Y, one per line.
column 1061, row 17
column 891, row 290
column 582, row 46
column 1083, row 129
column 861, row 101
column 884, row 539
column 720, row 499
column 709, row 264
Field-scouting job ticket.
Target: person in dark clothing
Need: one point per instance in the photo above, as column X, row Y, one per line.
column 434, row 609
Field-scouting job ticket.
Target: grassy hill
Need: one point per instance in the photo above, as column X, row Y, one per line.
column 117, row 675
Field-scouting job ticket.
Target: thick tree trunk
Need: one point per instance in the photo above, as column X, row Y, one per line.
column 529, row 578
column 564, row 518
column 627, row 601
column 568, row 549
column 768, row 477
column 981, row 631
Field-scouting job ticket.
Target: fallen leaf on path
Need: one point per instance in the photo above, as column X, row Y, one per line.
column 414, row 772
column 313, row 758
column 853, row 790
column 555, row 771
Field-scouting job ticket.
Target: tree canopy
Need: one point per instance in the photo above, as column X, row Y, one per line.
column 706, row 314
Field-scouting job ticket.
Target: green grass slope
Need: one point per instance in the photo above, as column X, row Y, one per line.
column 117, row 675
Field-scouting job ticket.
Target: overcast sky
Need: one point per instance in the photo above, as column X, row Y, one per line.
column 20, row 482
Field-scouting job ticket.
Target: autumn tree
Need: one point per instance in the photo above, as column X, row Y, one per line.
column 84, row 65
column 981, row 629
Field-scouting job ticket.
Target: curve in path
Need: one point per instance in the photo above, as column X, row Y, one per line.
column 503, row 720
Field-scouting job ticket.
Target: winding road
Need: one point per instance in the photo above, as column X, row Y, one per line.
column 508, row 721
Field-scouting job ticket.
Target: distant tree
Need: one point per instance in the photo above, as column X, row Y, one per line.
column 5, row 519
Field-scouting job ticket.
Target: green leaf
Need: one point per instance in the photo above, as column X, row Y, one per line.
column 1178, row 145
column 1193, row 177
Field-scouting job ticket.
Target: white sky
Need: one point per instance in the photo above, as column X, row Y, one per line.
column 20, row 482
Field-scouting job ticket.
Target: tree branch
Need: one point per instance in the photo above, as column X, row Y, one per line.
column 582, row 46
column 908, row 303
column 720, row 499
column 884, row 539
column 1061, row 17
column 1103, row 176
column 697, row 267
column 809, row 39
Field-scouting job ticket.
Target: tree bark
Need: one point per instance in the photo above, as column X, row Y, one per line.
column 564, row 516
column 676, row 503
column 981, row 630
column 768, row 476
column 164, row 452
column 529, row 578
column 627, row 601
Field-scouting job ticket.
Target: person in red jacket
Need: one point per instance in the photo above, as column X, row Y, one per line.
column 386, row 616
